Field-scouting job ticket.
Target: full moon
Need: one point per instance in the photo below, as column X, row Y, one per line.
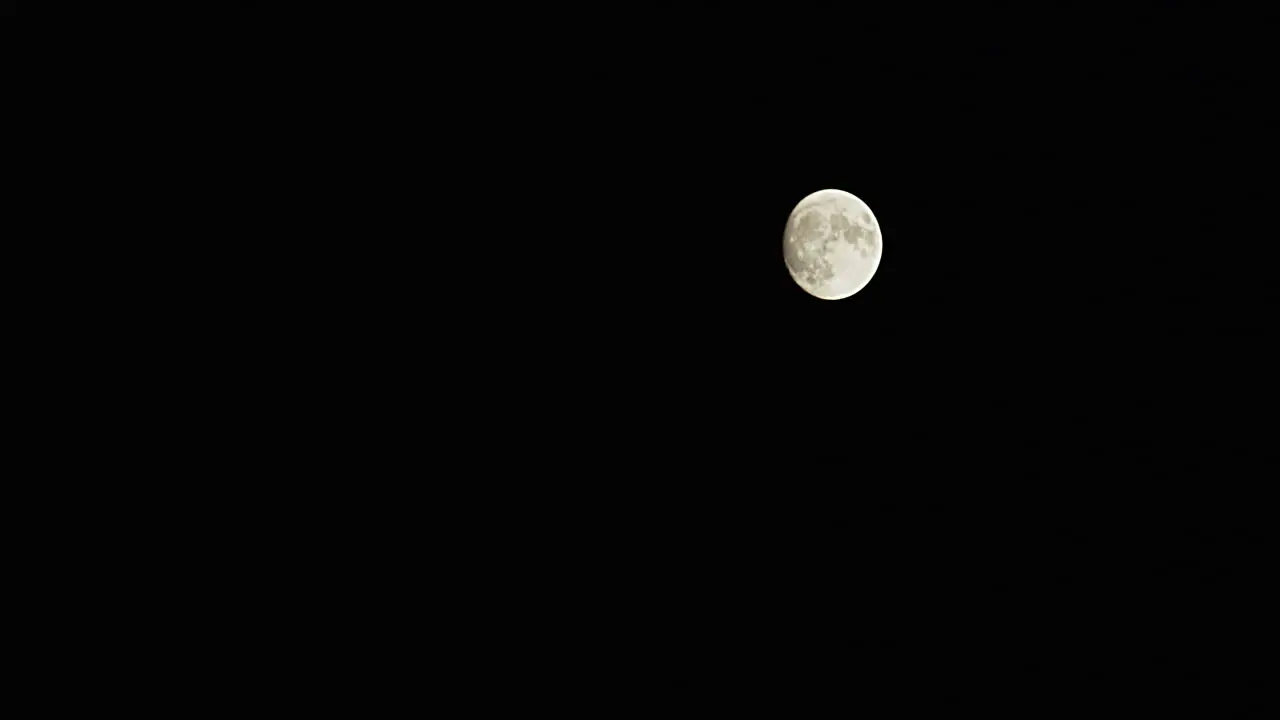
column 832, row 244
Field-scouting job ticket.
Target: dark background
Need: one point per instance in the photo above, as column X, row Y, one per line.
column 1063, row 358
column 1073, row 208
column 1073, row 205
column 1026, row 452
column 513, row 284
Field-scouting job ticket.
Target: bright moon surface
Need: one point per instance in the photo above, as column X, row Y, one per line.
column 832, row 244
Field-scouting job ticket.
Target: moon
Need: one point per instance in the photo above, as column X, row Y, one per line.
column 832, row 244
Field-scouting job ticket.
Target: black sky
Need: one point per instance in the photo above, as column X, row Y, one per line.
column 525, row 272
column 1074, row 209
column 1070, row 204
column 997, row 145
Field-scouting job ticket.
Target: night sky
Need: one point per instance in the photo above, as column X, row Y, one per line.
column 1070, row 210
column 1069, row 328
column 523, row 273
column 458, row 353
column 584, row 214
